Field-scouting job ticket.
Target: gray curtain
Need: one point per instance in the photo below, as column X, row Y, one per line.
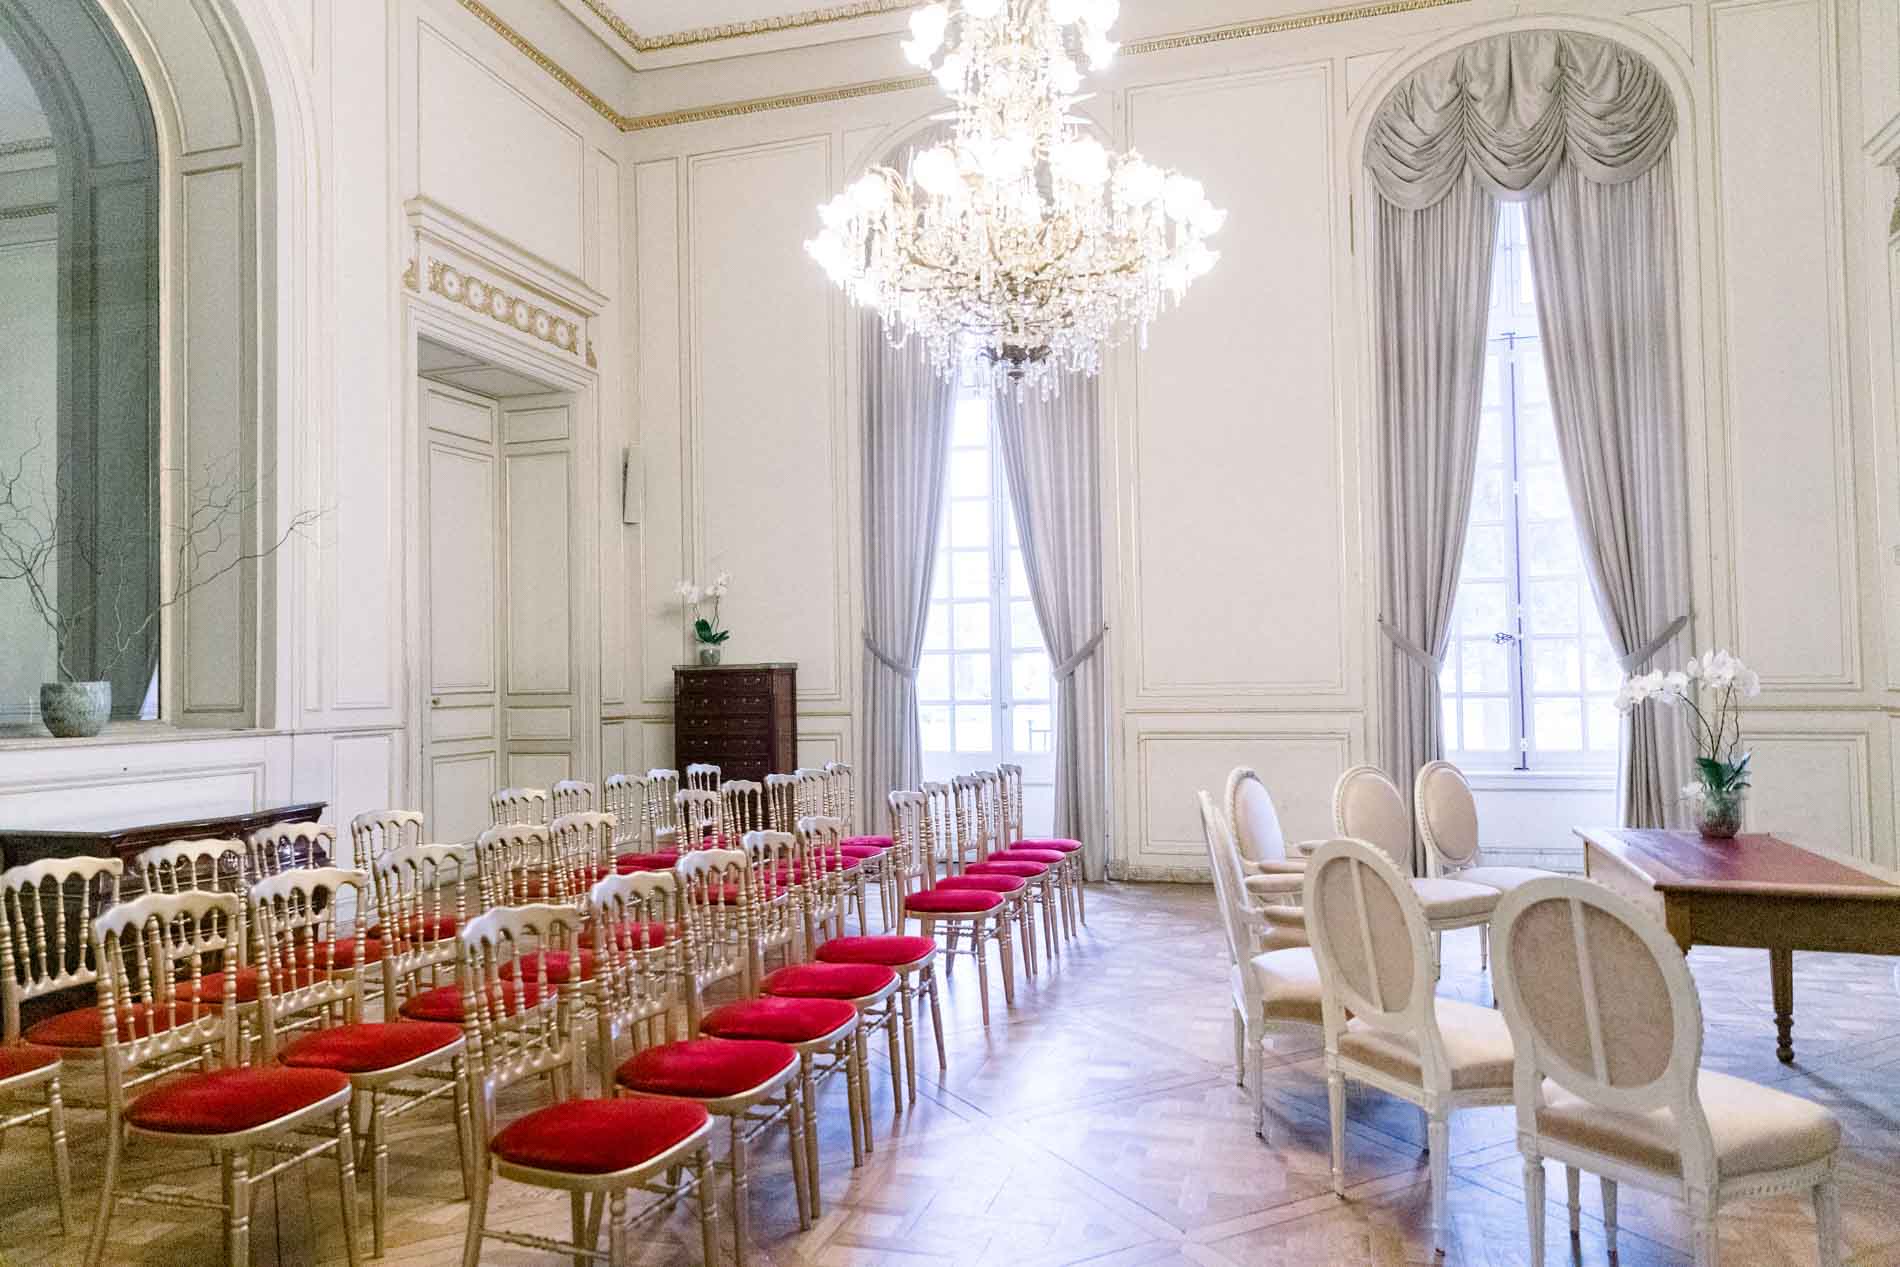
column 1052, row 451
column 1605, row 261
column 1433, row 295
column 908, row 408
column 1577, row 127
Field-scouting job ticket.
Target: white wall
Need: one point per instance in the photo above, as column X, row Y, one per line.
column 1241, row 525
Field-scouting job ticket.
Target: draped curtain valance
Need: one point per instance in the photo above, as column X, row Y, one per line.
column 1511, row 110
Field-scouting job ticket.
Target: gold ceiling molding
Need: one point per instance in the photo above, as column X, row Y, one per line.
column 30, row 212
column 32, row 145
column 604, row 10
column 820, row 96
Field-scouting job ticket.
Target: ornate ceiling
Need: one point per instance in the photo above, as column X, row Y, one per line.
column 651, row 25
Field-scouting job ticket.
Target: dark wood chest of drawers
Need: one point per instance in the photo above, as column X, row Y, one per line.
column 742, row 718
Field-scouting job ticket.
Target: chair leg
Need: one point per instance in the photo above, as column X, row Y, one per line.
column 809, row 1095
column 936, row 1019
column 795, row 1136
column 378, row 1173
column 108, row 1194
column 1256, row 1072
column 708, row 1211
column 577, row 1224
column 741, row 1184
column 237, row 1207
column 907, row 1003
column 982, row 969
column 895, row 1043
column 1240, row 1048
column 1707, row 1250
column 1573, row 1196
column 617, row 1247
column 346, row 1185
column 1534, row 1206
column 464, row 1130
column 1827, row 1220
column 854, row 1098
column 477, row 1211
column 62, row 1164
column 1607, row 1187
column 1009, row 959
column 1336, row 1111
column 1440, row 1134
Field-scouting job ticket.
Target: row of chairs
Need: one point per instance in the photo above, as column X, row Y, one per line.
column 1596, row 1041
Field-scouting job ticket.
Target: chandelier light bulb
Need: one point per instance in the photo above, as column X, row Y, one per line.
column 1101, row 51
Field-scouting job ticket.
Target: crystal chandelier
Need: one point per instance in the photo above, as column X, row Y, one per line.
column 1020, row 239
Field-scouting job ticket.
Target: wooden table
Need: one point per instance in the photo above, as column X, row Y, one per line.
column 1754, row 891
column 123, row 835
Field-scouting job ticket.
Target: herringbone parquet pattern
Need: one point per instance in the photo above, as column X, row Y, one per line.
column 1100, row 1124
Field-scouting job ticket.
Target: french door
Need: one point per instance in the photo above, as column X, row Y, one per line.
column 984, row 689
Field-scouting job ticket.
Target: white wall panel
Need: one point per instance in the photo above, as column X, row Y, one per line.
column 540, row 652
column 1240, row 563
column 659, row 343
column 364, row 775
column 466, row 117
column 461, row 570
column 765, row 348
column 1811, row 785
column 1791, row 498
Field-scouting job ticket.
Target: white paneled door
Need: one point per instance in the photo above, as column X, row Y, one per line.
column 498, row 601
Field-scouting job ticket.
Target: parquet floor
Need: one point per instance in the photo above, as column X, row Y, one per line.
column 1100, row 1124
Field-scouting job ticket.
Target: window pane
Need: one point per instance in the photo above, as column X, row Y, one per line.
column 970, row 524
column 934, row 719
column 1602, row 672
column 1487, row 496
column 970, row 573
column 1557, row 725
column 1034, row 729
column 972, row 626
column 1490, row 427
column 1018, row 576
column 973, row 422
column 1453, row 741
column 1545, row 494
column 1487, row 725
column 1533, row 394
column 1554, row 665
column 1550, row 549
column 1024, row 629
column 1487, row 666
column 974, row 731
column 1484, row 608
column 969, row 473
column 1486, row 553
column 1551, row 606
column 1029, row 675
column 933, row 678
column 973, row 677
column 1605, row 725
column 937, row 628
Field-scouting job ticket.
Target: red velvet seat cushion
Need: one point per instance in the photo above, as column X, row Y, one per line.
column 779, row 1020
column 85, row 1027
column 18, row 1059
column 1048, row 857
column 891, row 952
column 346, row 951
column 225, row 1100
column 660, row 860
column 210, row 988
column 828, row 981
column 445, row 1004
column 1024, row 870
column 862, row 852
column 369, row 1047
column 941, row 901
column 598, row 1137
column 872, row 842
column 705, row 1068
column 984, row 883
column 552, row 966
column 1056, row 843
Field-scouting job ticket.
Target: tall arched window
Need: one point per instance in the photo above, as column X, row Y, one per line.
column 80, row 569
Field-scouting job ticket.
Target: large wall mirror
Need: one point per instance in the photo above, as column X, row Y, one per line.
column 80, row 567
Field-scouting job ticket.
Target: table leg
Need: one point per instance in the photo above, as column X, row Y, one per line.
column 1781, row 976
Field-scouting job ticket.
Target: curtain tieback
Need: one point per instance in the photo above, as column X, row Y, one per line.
column 877, row 653
column 1067, row 668
column 1637, row 659
column 1411, row 650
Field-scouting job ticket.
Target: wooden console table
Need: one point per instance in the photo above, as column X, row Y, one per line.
column 122, row 836
column 1754, row 891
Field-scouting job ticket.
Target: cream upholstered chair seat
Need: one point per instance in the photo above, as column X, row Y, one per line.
column 1755, row 1128
column 1500, row 878
column 1289, row 985
column 1477, row 1048
column 1449, row 901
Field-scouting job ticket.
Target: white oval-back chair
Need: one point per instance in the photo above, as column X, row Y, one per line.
column 1367, row 806
column 1271, row 874
column 1376, row 967
column 1447, row 817
column 1607, row 1028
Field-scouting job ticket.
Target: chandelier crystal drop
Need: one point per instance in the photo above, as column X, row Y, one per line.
column 1020, row 239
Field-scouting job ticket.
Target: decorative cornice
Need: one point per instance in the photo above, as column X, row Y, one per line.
column 29, row 212
column 520, row 314
column 604, row 10
column 32, row 145
column 821, row 96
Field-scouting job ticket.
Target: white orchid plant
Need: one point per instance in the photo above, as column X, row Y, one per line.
column 1721, row 764
column 696, row 599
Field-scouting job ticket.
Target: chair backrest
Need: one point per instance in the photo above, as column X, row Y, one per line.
column 841, row 794
column 742, row 809
column 713, row 882
column 993, row 807
column 662, row 810
column 1600, row 1001
column 1012, row 823
column 1447, row 816
column 621, row 797
column 281, row 847
column 703, row 777
column 821, row 866
column 1255, row 822
column 185, row 866
column 296, row 920
column 573, row 796
column 1222, row 867
column 518, row 1024
column 699, row 810
column 948, row 825
column 581, row 850
column 376, row 833
column 1367, row 806
column 47, row 911
column 513, row 864
column 154, row 955
column 514, row 805
column 421, row 904
column 781, row 802
column 773, row 880
column 1374, row 950
column 636, row 950
column 913, row 841
column 812, row 786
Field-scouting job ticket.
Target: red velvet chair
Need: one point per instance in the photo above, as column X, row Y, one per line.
column 25, row 1069
column 1008, row 800
column 971, row 920
column 154, row 955
column 524, row 1028
column 422, row 894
